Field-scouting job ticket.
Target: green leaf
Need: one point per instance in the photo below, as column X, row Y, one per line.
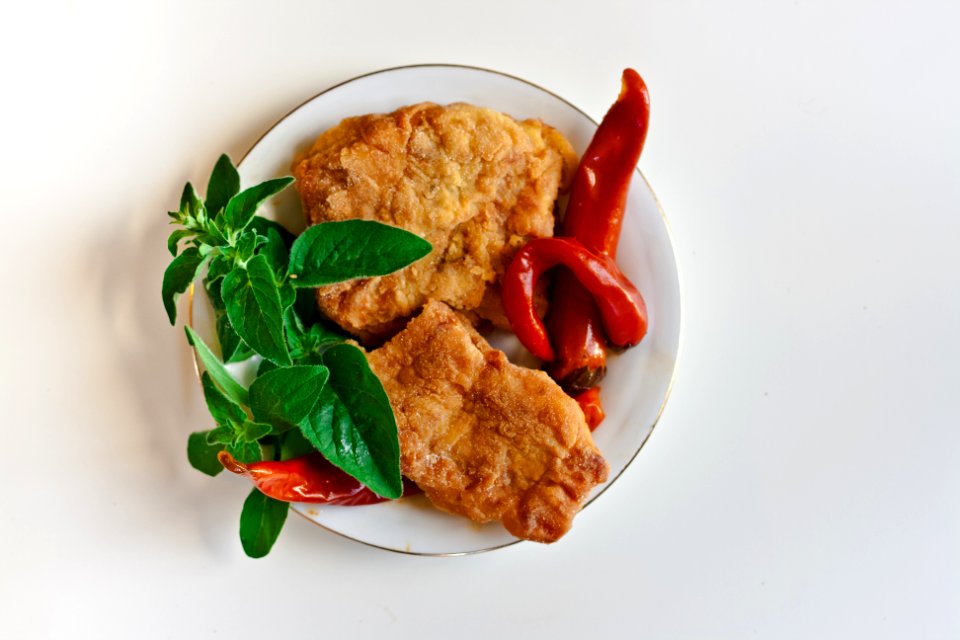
column 212, row 234
column 336, row 251
column 246, row 245
column 225, row 411
column 232, row 347
column 220, row 266
column 302, row 342
column 189, row 200
column 253, row 305
column 177, row 278
column 245, row 452
column 266, row 365
column 218, row 372
column 261, row 520
column 203, row 456
column 288, row 294
column 242, row 207
column 173, row 241
column 216, row 301
column 275, row 251
column 319, row 335
column 307, row 307
column 293, row 330
column 294, row 445
column 224, row 184
column 353, row 425
column 285, row 396
column 221, row 435
column 262, row 225
column 251, row 431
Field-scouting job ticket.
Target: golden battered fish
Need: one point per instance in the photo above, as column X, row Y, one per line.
column 474, row 182
column 482, row 437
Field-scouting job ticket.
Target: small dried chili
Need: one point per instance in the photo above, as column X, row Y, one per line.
column 310, row 478
column 594, row 216
column 622, row 310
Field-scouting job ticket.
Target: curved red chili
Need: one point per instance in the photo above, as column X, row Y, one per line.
column 594, row 216
column 310, row 478
column 622, row 310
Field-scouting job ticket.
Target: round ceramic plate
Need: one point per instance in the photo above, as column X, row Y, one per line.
column 638, row 381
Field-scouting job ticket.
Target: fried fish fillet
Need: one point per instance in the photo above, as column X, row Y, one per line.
column 482, row 437
column 474, row 182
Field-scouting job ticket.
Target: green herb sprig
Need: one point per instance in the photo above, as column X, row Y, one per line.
column 313, row 391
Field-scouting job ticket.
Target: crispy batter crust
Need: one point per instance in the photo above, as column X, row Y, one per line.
column 474, row 182
column 482, row 437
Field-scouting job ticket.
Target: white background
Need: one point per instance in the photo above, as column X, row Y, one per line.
column 803, row 481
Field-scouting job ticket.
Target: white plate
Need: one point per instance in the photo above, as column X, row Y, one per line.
column 638, row 381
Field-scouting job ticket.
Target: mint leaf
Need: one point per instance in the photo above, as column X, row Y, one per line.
column 189, row 201
column 177, row 278
column 293, row 330
column 220, row 266
column 246, row 245
column 245, row 452
column 221, row 435
column 241, row 439
column 275, row 251
column 173, row 241
column 242, row 207
column 336, row 251
column 224, row 184
column 218, row 372
column 211, row 235
column 288, row 295
column 251, row 431
column 286, row 395
column 319, row 334
column 225, row 411
column 261, row 520
column 306, row 343
column 203, row 456
column 294, row 445
column 232, row 348
column 213, row 294
column 252, row 299
column 264, row 366
column 262, row 225
column 353, row 424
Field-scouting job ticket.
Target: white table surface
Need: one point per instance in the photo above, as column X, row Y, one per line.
column 803, row 481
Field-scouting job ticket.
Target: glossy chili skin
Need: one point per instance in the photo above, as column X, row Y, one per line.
column 598, row 196
column 578, row 341
column 310, row 478
column 594, row 216
column 591, row 406
column 622, row 311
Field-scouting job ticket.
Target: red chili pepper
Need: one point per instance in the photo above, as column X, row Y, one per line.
column 579, row 344
column 622, row 310
column 310, row 478
column 598, row 196
column 594, row 216
column 589, row 402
